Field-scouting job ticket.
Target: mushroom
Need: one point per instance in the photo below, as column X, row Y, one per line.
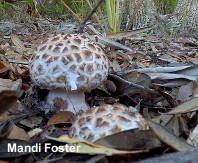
column 105, row 120
column 68, row 65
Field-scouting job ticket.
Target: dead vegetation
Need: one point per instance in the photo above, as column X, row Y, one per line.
column 155, row 76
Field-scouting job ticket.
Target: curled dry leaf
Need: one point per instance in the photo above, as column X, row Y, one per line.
column 110, row 86
column 61, row 117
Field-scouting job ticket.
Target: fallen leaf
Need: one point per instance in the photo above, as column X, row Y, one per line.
column 7, row 98
column 61, row 117
column 5, row 128
column 17, row 42
column 89, row 148
column 186, row 91
column 193, row 137
column 185, row 107
column 18, row 133
column 142, row 140
column 169, row 138
column 7, row 84
column 3, row 69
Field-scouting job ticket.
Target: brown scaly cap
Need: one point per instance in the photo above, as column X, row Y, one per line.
column 70, row 61
column 98, row 122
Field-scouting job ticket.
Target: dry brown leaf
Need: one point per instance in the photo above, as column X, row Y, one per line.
column 90, row 148
column 110, row 86
column 7, row 84
column 5, row 128
column 3, row 69
column 193, row 137
column 18, row 133
column 115, row 65
column 7, row 98
column 186, row 91
column 169, row 138
column 185, row 107
column 61, row 117
column 195, row 92
column 31, row 122
column 17, row 42
column 142, row 140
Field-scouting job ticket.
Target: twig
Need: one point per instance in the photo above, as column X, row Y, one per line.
column 132, row 17
column 80, row 30
column 133, row 84
column 96, row 16
column 76, row 16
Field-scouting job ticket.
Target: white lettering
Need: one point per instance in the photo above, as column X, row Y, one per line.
column 11, row 147
column 47, row 146
column 27, row 149
column 61, row 148
column 78, row 148
column 72, row 148
column 54, row 148
column 20, row 148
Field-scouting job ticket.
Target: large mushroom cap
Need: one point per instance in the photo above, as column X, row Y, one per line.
column 98, row 122
column 70, row 61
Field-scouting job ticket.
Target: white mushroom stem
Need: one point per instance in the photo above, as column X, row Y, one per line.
column 64, row 101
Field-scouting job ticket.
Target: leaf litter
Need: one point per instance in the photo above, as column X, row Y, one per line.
column 159, row 78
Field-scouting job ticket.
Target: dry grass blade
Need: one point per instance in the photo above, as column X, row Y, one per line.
column 120, row 35
column 168, row 138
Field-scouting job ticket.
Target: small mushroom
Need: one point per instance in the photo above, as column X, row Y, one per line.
column 105, row 120
column 68, row 65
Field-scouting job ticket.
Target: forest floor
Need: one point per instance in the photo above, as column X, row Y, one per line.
column 158, row 78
